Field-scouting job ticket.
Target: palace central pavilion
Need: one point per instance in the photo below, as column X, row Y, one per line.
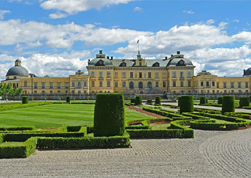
column 146, row 76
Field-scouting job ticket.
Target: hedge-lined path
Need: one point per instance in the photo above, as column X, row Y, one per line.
column 144, row 112
column 210, row 154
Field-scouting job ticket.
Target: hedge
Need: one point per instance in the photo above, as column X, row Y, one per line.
column 18, row 151
column 144, row 124
column 244, row 101
column 158, row 100
column 15, row 128
column 219, row 100
column 133, row 100
column 187, row 132
column 68, row 99
column 138, row 100
column 228, row 104
column 186, row 103
column 149, row 133
column 149, row 101
column 203, row 100
column 25, row 100
column 211, row 125
column 85, row 142
column 109, row 115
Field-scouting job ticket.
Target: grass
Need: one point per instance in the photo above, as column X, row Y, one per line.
column 160, row 126
column 11, row 143
column 55, row 115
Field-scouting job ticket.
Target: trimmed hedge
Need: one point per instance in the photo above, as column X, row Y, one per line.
column 133, row 100
column 211, row 125
column 244, row 101
column 15, row 128
column 219, row 100
column 149, row 133
column 68, row 99
column 25, row 100
column 158, row 100
column 228, row 104
column 187, row 132
column 85, row 142
column 144, row 124
column 186, row 103
column 19, row 151
column 149, row 101
column 138, row 100
column 203, row 100
column 109, row 115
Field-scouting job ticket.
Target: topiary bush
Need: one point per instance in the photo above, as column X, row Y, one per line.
column 158, row 100
column 138, row 100
column 179, row 101
column 149, row 101
column 186, row 103
column 68, row 99
column 220, row 100
column 228, row 104
column 244, row 101
column 203, row 100
column 133, row 100
column 25, row 100
column 109, row 115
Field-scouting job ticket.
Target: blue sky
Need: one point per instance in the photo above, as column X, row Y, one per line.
column 57, row 37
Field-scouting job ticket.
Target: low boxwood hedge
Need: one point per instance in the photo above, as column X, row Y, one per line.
column 212, row 125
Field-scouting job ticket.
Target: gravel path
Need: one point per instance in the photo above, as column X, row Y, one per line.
column 209, row 154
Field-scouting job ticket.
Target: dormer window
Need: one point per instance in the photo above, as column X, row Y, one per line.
column 123, row 64
column 100, row 63
column 156, row 64
column 181, row 63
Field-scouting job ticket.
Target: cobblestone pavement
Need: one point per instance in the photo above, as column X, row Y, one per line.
column 209, row 154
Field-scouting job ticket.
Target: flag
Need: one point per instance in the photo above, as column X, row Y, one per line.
column 138, row 41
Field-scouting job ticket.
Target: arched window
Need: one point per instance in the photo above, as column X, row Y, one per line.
column 131, row 85
column 140, row 84
column 140, row 63
column 149, row 85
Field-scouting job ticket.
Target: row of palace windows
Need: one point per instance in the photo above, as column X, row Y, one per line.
column 140, row 74
column 182, row 74
column 131, row 84
column 51, row 84
column 213, row 91
column 51, row 92
column 182, row 84
column 232, row 84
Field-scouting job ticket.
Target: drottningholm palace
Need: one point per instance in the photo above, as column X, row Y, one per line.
column 169, row 76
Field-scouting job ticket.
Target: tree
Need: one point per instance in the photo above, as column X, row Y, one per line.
column 6, row 90
column 15, row 92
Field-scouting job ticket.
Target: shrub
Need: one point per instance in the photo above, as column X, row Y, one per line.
column 186, row 103
column 68, row 99
column 179, row 101
column 244, row 101
column 138, row 100
column 220, row 100
column 25, row 100
column 228, row 104
column 211, row 125
column 149, row 101
column 133, row 100
column 109, row 114
column 158, row 100
column 203, row 100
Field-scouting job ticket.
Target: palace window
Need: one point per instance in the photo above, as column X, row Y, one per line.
column 116, row 74
column 85, row 84
column 157, row 84
column 116, row 84
column 35, row 85
column 123, row 84
column 25, row 83
column 131, row 74
column 239, row 84
column 92, row 74
column 189, row 83
column 149, row 75
column 79, row 84
column 66, row 84
column 232, row 84
column 164, row 84
column 201, row 83
column 43, row 84
column 108, row 74
column 93, row 84
column 123, row 75
column 140, row 63
column 149, row 84
column 164, row 75
column 174, row 74
column 157, row 75
column 140, row 75
column 108, row 83
column 181, row 84
column 213, row 84
column 218, row 84
column 189, row 74
column 174, row 83
column 100, row 74
column 181, row 74
column 246, row 84
column 100, row 84
column 72, row 84
column 224, row 85
column 59, row 85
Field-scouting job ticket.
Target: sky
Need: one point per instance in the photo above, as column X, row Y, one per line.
column 57, row 37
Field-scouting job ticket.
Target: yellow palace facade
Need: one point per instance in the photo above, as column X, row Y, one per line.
column 173, row 75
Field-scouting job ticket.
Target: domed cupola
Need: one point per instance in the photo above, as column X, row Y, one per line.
column 17, row 71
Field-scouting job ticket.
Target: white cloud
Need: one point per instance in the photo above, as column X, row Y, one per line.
column 2, row 12
column 74, row 6
column 138, row 9
column 210, row 21
column 235, row 20
column 188, row 11
column 58, row 15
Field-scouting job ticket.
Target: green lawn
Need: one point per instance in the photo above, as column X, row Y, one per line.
column 55, row 115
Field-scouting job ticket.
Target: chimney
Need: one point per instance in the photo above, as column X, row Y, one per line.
column 111, row 57
column 166, row 58
column 178, row 52
column 107, row 57
column 171, row 55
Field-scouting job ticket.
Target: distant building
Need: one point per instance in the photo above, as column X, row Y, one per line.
column 171, row 75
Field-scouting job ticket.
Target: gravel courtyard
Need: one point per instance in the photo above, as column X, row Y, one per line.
column 209, row 154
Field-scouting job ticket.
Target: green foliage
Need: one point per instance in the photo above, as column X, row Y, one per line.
column 17, row 105
column 179, row 98
column 228, row 104
column 85, row 142
column 68, row 99
column 137, row 124
column 219, row 100
column 15, row 128
column 149, row 101
column 138, row 100
column 211, row 125
column 244, row 101
column 149, row 133
column 203, row 100
column 158, row 100
column 186, row 103
column 179, row 124
column 133, row 100
column 25, row 100
column 109, row 114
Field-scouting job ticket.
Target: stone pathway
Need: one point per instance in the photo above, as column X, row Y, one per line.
column 210, row 154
